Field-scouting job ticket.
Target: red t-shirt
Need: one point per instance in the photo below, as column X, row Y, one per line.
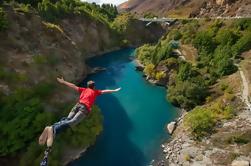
column 88, row 96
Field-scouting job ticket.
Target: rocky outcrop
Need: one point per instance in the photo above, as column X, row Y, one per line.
column 171, row 127
column 223, row 8
column 182, row 149
column 189, row 8
column 240, row 163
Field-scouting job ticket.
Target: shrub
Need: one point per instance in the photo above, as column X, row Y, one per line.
column 243, row 44
column 53, row 26
column 162, row 51
column 149, row 70
column 23, row 8
column 187, row 94
column 175, row 34
column 239, row 138
column 223, row 62
column 122, row 22
column 29, row 2
column 242, row 24
column 186, row 72
column 204, row 41
column 223, row 86
column 200, row 122
column 40, row 59
column 160, row 75
column 226, row 37
column 3, row 20
column 145, row 53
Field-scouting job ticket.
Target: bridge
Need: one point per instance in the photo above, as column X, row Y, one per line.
column 166, row 21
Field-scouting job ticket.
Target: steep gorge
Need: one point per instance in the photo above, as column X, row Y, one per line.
column 33, row 52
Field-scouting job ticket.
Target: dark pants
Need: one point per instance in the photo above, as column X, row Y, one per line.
column 78, row 112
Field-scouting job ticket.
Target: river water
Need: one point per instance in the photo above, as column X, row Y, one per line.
column 134, row 118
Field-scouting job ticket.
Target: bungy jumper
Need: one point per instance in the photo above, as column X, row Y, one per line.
column 80, row 111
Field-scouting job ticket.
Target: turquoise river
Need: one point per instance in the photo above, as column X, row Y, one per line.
column 135, row 118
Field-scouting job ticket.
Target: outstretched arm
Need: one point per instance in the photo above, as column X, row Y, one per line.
column 71, row 85
column 110, row 90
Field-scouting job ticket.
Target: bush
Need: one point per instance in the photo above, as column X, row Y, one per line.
column 223, row 62
column 175, row 35
column 242, row 24
column 144, row 53
column 40, row 59
column 186, row 72
column 122, row 22
column 3, row 20
column 200, row 122
column 29, row 2
column 187, row 94
column 149, row 70
column 53, row 27
column 189, row 31
column 23, row 8
column 160, row 75
column 161, row 52
column 226, row 37
column 243, row 44
column 204, row 41
column 239, row 138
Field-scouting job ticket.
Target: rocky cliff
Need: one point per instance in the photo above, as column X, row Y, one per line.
column 189, row 8
column 33, row 52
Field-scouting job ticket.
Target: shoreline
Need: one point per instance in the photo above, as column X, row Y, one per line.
column 160, row 160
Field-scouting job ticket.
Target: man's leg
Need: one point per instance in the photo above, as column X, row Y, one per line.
column 59, row 127
column 73, row 111
column 44, row 136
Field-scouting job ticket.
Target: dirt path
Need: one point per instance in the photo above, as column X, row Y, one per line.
column 245, row 89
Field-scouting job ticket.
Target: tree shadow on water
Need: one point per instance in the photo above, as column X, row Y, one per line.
column 113, row 147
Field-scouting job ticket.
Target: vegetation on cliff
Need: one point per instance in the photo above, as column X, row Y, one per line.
column 219, row 44
column 27, row 91
column 41, row 40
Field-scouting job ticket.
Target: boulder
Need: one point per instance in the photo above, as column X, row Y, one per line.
column 139, row 68
column 240, row 163
column 171, row 127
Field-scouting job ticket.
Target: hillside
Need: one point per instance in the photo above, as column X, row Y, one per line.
column 39, row 43
column 188, row 8
column 205, row 65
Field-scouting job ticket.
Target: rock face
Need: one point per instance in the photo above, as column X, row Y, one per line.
column 158, row 7
column 186, row 8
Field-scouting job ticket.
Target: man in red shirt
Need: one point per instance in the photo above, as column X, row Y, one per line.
column 78, row 112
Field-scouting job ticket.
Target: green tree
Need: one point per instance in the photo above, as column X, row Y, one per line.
column 149, row 70
column 204, row 41
column 186, row 72
column 223, row 62
column 226, row 37
column 187, row 94
column 243, row 44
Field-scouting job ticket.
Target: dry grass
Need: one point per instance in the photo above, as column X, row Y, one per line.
column 189, row 52
column 186, row 10
column 232, row 85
